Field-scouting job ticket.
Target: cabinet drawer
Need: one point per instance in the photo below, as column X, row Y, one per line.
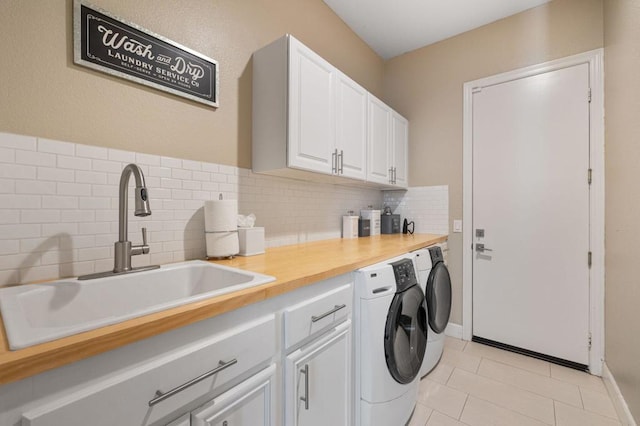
column 248, row 404
column 317, row 314
column 130, row 391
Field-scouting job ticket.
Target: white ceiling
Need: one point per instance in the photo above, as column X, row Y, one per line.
column 393, row 27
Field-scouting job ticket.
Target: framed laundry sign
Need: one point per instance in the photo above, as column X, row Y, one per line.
column 109, row 44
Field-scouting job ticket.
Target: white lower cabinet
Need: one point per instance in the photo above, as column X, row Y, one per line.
column 153, row 390
column 318, row 381
column 248, row 404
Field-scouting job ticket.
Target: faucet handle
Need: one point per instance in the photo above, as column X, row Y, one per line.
column 145, row 246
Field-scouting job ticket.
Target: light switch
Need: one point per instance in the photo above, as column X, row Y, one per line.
column 457, row 225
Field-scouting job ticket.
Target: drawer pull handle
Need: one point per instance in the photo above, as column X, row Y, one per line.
column 335, row 309
column 305, row 398
column 162, row 396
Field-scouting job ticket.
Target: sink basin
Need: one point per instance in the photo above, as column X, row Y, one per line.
column 38, row 313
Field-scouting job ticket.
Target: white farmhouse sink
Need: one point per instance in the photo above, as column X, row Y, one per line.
column 38, row 313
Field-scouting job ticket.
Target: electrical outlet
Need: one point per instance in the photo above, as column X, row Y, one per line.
column 457, row 225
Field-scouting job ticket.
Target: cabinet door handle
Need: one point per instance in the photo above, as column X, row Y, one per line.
column 390, row 174
column 335, row 309
column 162, row 396
column 394, row 175
column 334, row 161
column 341, row 169
column 305, row 398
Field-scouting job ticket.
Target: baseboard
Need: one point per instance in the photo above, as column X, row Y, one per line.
column 453, row 330
column 616, row 396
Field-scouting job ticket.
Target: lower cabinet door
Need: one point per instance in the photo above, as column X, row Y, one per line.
column 318, row 381
column 248, row 404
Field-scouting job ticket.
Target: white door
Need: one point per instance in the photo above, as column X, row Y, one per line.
column 531, row 200
column 311, row 110
column 319, row 381
column 379, row 141
column 351, row 128
column 400, row 144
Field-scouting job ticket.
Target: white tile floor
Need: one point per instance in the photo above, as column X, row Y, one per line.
column 477, row 385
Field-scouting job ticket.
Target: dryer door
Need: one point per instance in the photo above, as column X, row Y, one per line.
column 405, row 337
column 439, row 297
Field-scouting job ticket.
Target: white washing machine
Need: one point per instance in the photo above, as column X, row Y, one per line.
column 390, row 342
column 436, row 284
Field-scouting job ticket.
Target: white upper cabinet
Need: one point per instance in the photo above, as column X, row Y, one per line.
column 400, row 145
column 310, row 117
column 387, row 145
column 351, row 128
column 311, row 110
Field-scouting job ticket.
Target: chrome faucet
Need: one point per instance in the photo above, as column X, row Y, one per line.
column 123, row 247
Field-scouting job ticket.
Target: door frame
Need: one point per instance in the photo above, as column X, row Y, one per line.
column 594, row 59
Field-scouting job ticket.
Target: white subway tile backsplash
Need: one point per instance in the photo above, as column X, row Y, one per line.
column 79, row 189
column 9, row 247
column 147, row 159
column 94, row 228
column 17, row 171
column 107, row 166
column 95, row 253
column 202, row 176
column 61, row 230
column 10, row 140
column 181, row 174
column 47, row 174
column 63, row 219
column 122, row 156
column 56, row 147
column 94, row 203
column 172, row 163
column 34, row 158
column 77, row 216
column 35, row 187
column 210, row 167
column 7, row 186
column 427, row 206
column 159, row 172
column 40, row 216
column 9, row 216
column 11, row 201
column 7, row 155
column 74, row 163
column 16, row 231
column 171, row 183
column 88, row 151
column 191, row 165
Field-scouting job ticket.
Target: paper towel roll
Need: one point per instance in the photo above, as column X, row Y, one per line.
column 222, row 244
column 220, row 215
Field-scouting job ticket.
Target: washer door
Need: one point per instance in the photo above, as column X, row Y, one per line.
column 439, row 297
column 405, row 336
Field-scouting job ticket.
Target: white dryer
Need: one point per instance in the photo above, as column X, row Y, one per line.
column 391, row 339
column 436, row 284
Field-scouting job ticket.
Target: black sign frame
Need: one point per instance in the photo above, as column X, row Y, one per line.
column 106, row 43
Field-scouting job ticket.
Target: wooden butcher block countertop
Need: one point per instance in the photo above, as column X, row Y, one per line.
column 293, row 267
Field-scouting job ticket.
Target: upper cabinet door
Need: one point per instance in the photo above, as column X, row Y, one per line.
column 351, row 128
column 400, row 143
column 379, row 138
column 311, row 110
